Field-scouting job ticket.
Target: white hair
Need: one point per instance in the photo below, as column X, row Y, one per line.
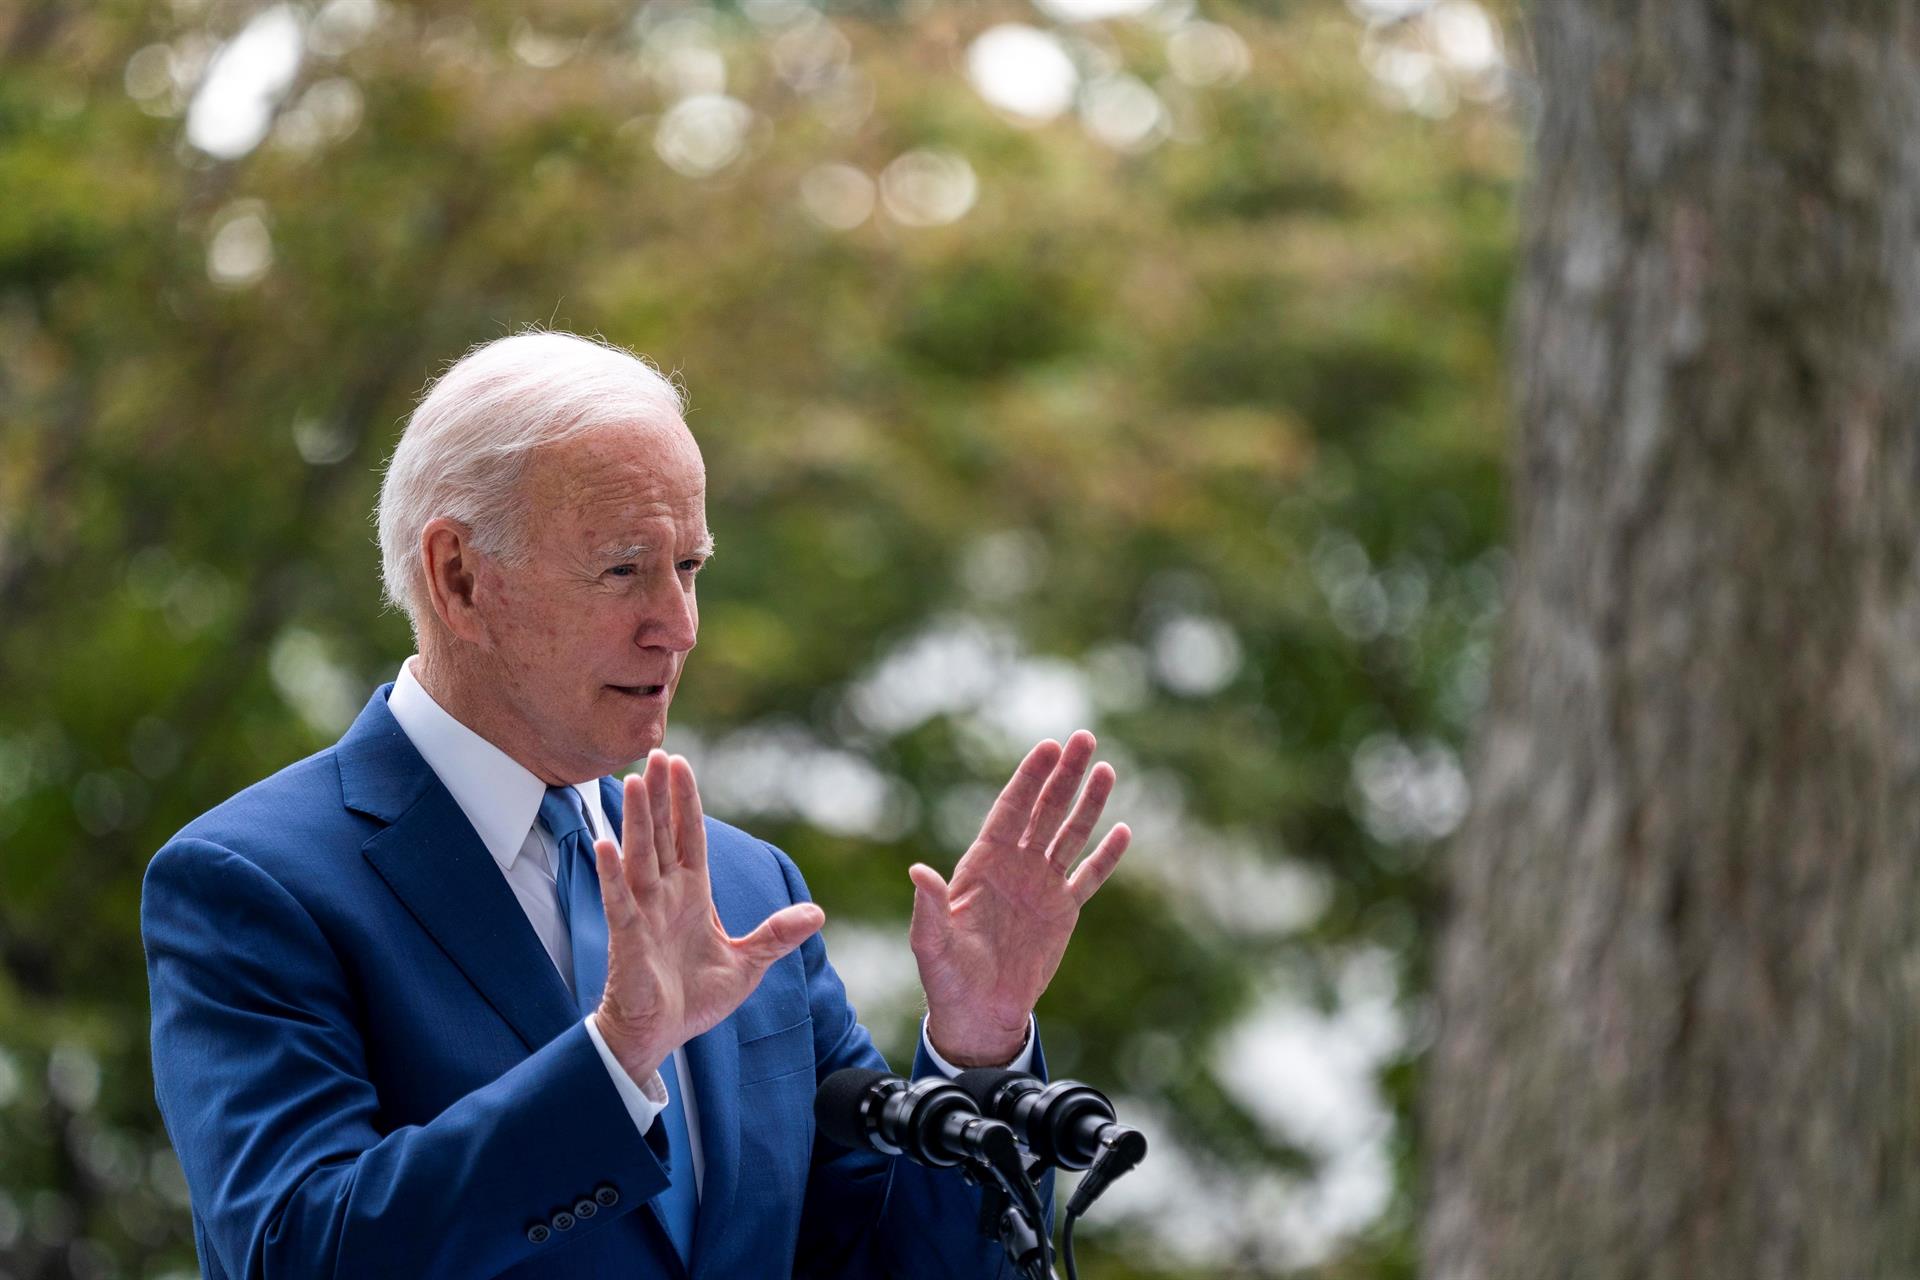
column 468, row 442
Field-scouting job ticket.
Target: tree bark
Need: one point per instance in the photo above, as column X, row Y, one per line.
column 1679, row 983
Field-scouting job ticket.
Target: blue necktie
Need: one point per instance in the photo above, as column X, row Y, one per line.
column 577, row 887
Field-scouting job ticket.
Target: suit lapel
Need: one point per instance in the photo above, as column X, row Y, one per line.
column 431, row 858
column 713, row 1062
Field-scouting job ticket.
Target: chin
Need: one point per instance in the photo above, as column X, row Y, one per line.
column 640, row 733
column 630, row 722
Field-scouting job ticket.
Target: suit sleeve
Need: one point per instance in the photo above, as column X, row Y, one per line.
column 871, row 1215
column 262, row 1080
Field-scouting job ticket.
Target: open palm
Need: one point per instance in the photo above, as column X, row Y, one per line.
column 672, row 970
column 988, row 943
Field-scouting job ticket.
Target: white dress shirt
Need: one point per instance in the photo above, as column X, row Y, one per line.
column 502, row 800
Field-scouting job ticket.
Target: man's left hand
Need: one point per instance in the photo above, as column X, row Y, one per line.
column 988, row 944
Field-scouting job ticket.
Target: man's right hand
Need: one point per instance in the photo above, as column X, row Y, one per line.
column 672, row 971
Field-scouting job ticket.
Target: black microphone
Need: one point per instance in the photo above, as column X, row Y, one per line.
column 935, row 1122
column 932, row 1122
column 1067, row 1124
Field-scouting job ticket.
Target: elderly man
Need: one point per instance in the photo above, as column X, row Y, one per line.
column 418, row 1013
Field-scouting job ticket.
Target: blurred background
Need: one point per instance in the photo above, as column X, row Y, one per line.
column 1123, row 363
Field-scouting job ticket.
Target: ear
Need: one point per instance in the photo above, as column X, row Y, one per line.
column 451, row 563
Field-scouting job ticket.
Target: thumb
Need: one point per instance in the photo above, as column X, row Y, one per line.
column 781, row 932
column 930, row 905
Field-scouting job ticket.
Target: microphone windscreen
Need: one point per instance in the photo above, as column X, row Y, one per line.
column 836, row 1106
column 981, row 1083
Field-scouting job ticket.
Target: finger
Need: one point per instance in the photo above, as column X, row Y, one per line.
column 1058, row 793
column 689, row 823
column 781, row 932
column 1091, row 874
column 1073, row 837
column 636, row 826
column 615, row 896
column 932, row 902
column 929, row 886
column 1008, row 817
column 660, row 802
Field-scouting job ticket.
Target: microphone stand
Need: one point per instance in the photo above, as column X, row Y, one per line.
column 1010, row 1209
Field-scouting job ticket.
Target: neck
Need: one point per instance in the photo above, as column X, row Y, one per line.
column 453, row 678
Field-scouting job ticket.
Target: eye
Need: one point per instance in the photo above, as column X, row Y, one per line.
column 623, row 571
column 692, row 565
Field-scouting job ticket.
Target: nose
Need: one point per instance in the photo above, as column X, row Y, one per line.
column 668, row 618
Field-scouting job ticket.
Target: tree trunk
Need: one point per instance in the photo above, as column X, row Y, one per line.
column 1680, row 980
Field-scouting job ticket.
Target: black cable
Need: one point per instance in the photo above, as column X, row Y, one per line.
column 1066, row 1244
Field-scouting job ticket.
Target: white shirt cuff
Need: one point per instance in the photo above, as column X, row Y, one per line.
column 1022, row 1061
column 644, row 1104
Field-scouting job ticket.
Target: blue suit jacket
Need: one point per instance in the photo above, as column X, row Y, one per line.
column 369, row 1066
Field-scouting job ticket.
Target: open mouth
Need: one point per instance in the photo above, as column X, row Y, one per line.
column 639, row 690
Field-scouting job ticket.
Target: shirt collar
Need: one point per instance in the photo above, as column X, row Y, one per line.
column 500, row 797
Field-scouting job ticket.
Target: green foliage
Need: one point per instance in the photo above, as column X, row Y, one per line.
column 1209, row 430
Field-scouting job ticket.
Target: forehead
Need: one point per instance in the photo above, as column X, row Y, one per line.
column 607, row 482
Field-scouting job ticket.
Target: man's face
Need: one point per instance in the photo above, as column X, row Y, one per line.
column 589, row 633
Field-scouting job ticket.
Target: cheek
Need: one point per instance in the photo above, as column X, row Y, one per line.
column 606, row 634
column 526, row 626
column 506, row 607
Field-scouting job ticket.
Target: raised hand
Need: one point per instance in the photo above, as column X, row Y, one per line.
column 672, row 971
column 988, row 944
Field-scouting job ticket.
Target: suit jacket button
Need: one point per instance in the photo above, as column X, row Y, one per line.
column 538, row 1233
column 606, row 1195
column 561, row 1220
column 584, row 1208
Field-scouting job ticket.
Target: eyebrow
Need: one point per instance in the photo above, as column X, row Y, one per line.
column 635, row 550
